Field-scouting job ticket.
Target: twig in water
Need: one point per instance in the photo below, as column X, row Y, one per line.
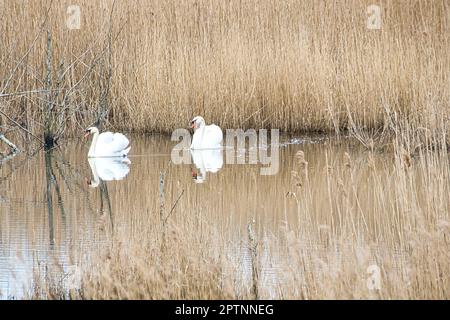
column 173, row 207
column 253, row 244
column 9, row 143
column 161, row 195
column 7, row 158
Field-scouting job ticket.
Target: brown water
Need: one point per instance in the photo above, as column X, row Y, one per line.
column 54, row 210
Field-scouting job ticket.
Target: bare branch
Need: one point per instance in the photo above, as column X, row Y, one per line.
column 18, row 125
column 9, row 143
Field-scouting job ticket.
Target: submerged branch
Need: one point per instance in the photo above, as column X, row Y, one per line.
column 174, row 206
column 7, row 158
column 13, row 147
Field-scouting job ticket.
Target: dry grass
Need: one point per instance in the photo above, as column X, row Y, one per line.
column 389, row 210
column 293, row 65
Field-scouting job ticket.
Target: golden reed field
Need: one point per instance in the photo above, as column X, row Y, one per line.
column 320, row 228
column 294, row 65
column 334, row 210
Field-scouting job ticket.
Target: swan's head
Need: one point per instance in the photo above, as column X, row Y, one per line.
column 90, row 130
column 197, row 122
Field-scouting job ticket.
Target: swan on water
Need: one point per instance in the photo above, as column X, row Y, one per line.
column 107, row 144
column 205, row 136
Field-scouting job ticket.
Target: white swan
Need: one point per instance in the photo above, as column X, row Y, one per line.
column 107, row 144
column 206, row 161
column 108, row 169
column 205, row 137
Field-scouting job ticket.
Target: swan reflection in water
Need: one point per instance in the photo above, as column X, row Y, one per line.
column 108, row 169
column 209, row 160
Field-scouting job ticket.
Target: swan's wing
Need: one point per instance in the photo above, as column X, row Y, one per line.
column 213, row 136
column 120, row 141
column 105, row 138
column 110, row 143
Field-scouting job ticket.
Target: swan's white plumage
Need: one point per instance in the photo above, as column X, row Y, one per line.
column 111, row 143
column 206, row 136
column 108, row 144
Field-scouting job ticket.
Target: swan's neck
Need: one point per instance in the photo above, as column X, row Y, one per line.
column 202, row 125
column 198, row 138
column 91, row 152
column 201, row 131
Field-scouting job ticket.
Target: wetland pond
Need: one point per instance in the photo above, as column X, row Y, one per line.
column 58, row 207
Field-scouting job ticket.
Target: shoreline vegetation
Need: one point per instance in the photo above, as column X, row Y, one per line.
column 299, row 66
column 359, row 215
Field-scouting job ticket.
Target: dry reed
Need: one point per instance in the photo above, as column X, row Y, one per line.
column 293, row 65
column 355, row 215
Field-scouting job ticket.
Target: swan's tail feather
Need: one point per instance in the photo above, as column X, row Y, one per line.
column 125, row 151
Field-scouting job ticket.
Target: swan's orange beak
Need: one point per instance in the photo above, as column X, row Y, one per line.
column 194, row 175
column 87, row 134
column 192, row 124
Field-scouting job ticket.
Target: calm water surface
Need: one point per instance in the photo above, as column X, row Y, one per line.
column 56, row 207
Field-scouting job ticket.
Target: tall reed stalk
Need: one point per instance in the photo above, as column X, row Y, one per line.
column 293, row 65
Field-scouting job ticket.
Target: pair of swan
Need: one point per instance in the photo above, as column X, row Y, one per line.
column 108, row 144
column 108, row 151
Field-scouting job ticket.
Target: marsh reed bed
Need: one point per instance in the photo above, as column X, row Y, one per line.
column 319, row 229
column 293, row 65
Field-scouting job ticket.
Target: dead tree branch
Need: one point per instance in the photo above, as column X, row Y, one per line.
column 13, row 147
